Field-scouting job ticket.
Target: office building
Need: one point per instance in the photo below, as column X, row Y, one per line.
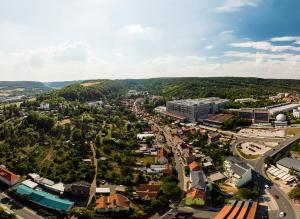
column 195, row 110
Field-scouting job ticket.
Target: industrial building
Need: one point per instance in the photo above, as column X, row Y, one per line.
column 195, row 110
column 281, row 108
column 256, row 115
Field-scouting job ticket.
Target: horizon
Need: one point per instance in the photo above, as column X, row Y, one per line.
column 83, row 39
column 84, row 80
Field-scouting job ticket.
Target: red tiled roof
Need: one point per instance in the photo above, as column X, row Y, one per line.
column 194, row 166
column 195, row 193
column 161, row 153
column 112, row 201
column 146, row 190
column 8, row 175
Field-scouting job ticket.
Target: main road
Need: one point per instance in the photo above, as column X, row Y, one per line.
column 284, row 204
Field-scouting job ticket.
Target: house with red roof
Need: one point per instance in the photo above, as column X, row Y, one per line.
column 162, row 156
column 8, row 177
column 147, row 191
column 195, row 197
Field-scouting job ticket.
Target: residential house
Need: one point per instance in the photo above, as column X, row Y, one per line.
column 162, row 156
column 198, row 180
column 195, row 197
column 8, row 177
column 194, row 166
column 147, row 191
column 183, row 148
column 237, row 171
column 80, row 188
column 213, row 138
column 188, row 157
column 112, row 203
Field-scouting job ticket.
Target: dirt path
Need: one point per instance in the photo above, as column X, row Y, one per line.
column 94, row 183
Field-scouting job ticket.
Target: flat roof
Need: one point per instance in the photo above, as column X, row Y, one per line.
column 45, row 199
column 102, row 190
column 283, row 108
column 30, row 183
column 290, row 163
column 191, row 102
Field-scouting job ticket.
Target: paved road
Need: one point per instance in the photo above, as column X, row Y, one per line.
column 283, row 202
column 21, row 211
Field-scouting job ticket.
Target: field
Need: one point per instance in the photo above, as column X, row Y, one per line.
column 293, row 130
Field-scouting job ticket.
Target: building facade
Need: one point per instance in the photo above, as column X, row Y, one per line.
column 196, row 109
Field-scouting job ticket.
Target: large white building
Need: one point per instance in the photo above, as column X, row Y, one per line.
column 196, row 109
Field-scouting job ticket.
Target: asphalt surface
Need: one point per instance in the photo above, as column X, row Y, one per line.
column 16, row 207
column 283, row 202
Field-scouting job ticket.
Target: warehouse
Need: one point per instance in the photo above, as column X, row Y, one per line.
column 283, row 108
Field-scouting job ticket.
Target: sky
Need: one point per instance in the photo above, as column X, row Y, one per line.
column 59, row 40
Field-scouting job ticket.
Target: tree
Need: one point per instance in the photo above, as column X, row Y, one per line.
column 294, row 193
column 269, row 160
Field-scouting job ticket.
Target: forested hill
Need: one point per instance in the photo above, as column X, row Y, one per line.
column 226, row 87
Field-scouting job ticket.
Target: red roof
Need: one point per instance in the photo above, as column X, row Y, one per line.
column 195, row 193
column 146, row 190
column 194, row 166
column 162, row 153
column 8, row 175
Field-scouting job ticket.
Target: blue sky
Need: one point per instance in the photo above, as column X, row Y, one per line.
column 91, row 39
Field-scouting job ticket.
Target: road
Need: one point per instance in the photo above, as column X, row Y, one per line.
column 283, row 202
column 16, row 207
column 94, row 183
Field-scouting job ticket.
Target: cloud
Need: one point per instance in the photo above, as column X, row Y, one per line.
column 71, row 51
column 137, row 29
column 263, row 56
column 285, row 39
column 264, row 45
column 234, row 5
column 209, row 47
column 225, row 32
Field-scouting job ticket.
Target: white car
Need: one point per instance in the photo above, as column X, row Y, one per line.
column 267, row 187
column 281, row 214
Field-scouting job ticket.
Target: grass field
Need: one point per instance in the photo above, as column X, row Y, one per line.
column 293, row 130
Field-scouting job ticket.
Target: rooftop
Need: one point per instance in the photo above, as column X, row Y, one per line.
column 290, row 163
column 191, row 102
column 7, row 174
column 45, row 199
column 112, row 201
column 198, row 180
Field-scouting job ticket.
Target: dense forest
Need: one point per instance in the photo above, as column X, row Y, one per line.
column 225, row 87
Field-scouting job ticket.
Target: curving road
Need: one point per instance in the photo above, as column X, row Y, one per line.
column 283, row 202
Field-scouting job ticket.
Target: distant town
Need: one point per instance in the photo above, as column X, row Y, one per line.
column 139, row 155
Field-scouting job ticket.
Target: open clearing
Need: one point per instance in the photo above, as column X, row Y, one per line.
column 88, row 84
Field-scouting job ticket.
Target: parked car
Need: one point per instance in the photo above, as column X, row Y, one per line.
column 281, row 214
column 267, row 186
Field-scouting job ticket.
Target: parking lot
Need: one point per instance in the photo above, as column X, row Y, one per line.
column 251, row 148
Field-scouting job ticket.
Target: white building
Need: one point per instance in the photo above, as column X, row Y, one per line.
column 237, row 171
column 296, row 113
column 196, row 109
column 44, row 106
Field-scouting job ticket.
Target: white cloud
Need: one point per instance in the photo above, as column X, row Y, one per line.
column 264, row 45
column 71, row 51
column 225, row 32
column 285, row 39
column 209, row 47
column 137, row 29
column 234, row 5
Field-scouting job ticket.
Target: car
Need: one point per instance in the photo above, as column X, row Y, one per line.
column 281, row 214
column 267, row 186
